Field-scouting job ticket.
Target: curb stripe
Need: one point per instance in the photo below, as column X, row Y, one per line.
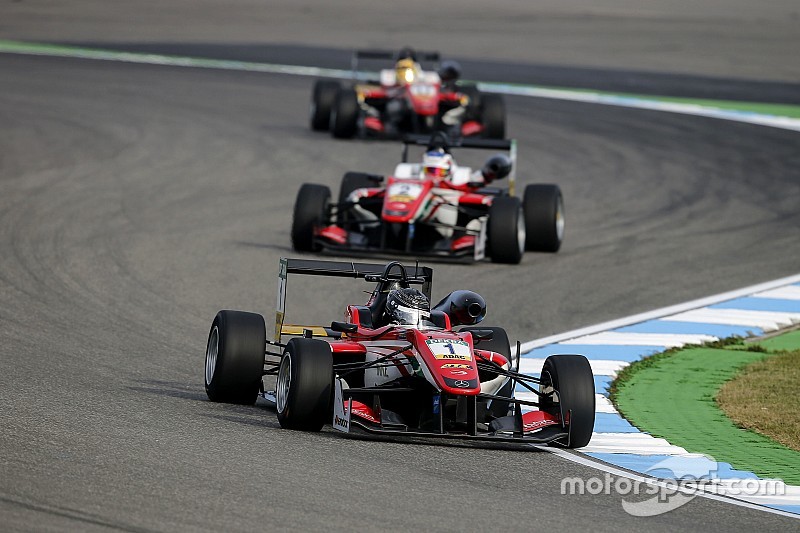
column 744, row 312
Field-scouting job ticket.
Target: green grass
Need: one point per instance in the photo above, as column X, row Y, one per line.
column 673, row 395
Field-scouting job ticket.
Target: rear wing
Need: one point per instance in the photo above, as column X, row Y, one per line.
column 390, row 56
column 417, row 275
column 440, row 139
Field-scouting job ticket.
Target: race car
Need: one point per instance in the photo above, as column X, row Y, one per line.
column 397, row 366
column 406, row 99
column 434, row 208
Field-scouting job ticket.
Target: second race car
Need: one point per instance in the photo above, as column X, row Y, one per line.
column 406, row 99
column 435, row 208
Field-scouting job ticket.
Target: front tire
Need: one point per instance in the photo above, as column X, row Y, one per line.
column 304, row 385
column 506, row 230
column 235, row 357
column 350, row 182
column 310, row 211
column 571, row 376
column 544, row 217
column 498, row 343
column 322, row 100
column 344, row 118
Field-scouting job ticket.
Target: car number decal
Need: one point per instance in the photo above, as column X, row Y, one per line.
column 404, row 192
column 450, row 349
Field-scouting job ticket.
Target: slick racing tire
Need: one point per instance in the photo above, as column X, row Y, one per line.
column 544, row 217
column 235, row 357
column 304, row 385
column 310, row 211
column 572, row 377
column 498, row 343
column 474, row 104
column 350, row 182
column 322, row 100
column 493, row 116
column 506, row 230
column 344, row 117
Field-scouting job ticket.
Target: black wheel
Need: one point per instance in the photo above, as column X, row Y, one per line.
column 474, row 105
column 310, row 211
column 498, row 343
column 571, row 376
column 544, row 217
column 304, row 385
column 350, row 182
column 235, row 357
column 493, row 116
column 506, row 230
column 322, row 100
column 344, row 117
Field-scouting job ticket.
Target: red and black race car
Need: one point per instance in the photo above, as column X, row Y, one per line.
column 434, row 208
column 406, row 99
column 397, row 366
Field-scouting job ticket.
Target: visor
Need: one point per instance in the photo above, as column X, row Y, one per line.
column 410, row 317
column 437, row 172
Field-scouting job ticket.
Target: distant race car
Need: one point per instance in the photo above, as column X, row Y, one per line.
column 406, row 99
column 434, row 208
column 396, row 366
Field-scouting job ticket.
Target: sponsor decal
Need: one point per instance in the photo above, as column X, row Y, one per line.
column 436, row 404
column 455, row 349
column 456, row 365
column 537, row 424
column 457, row 356
column 341, row 422
column 461, row 383
column 459, row 372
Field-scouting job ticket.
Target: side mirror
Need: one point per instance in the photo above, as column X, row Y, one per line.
column 344, row 327
column 479, row 335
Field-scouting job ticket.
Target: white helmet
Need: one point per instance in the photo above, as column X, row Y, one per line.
column 437, row 164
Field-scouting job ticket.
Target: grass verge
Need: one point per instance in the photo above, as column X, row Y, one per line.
column 673, row 395
column 764, row 398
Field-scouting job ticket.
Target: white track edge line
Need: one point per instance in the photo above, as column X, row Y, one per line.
column 658, row 313
column 591, row 463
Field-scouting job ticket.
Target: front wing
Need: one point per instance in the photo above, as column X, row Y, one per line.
column 517, row 431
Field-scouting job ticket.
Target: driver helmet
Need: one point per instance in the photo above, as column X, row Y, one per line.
column 407, row 307
column 406, row 71
column 437, row 164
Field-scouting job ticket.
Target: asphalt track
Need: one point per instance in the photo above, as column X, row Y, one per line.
column 137, row 200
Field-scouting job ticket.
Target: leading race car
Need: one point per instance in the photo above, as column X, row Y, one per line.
column 396, row 366
column 406, row 99
column 435, row 208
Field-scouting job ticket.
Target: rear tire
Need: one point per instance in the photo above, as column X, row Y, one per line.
column 351, row 182
column 344, row 118
column 493, row 116
column 498, row 343
column 506, row 230
column 571, row 376
column 322, row 100
column 544, row 217
column 235, row 357
column 310, row 211
column 304, row 385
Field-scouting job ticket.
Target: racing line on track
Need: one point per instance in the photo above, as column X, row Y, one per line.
column 612, row 345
